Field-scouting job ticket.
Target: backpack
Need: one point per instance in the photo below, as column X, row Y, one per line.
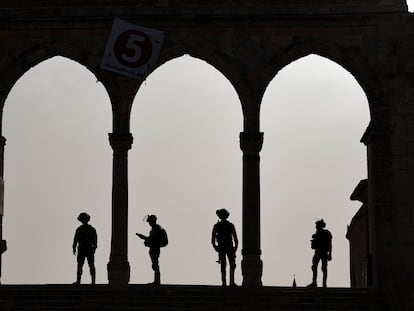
column 163, row 238
column 321, row 240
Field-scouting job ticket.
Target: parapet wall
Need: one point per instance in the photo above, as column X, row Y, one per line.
column 219, row 7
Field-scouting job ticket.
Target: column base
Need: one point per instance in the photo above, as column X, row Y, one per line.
column 118, row 272
column 252, row 269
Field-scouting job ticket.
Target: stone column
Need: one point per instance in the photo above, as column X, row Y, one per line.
column 118, row 266
column 252, row 266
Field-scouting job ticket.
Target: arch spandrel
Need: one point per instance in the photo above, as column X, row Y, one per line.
column 222, row 59
column 355, row 63
column 14, row 68
column 120, row 90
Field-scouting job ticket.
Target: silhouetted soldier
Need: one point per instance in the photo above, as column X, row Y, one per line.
column 86, row 242
column 322, row 244
column 222, row 239
column 157, row 238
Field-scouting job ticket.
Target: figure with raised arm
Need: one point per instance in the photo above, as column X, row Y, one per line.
column 156, row 239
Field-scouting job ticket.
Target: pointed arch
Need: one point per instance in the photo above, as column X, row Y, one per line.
column 227, row 66
column 57, row 164
column 352, row 61
column 26, row 59
column 185, row 164
column 313, row 115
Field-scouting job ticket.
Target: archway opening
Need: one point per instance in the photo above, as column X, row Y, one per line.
column 313, row 115
column 184, row 165
column 57, row 164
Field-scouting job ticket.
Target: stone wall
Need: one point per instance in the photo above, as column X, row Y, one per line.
column 358, row 235
column 194, row 7
column 373, row 40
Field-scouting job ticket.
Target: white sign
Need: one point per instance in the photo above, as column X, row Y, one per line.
column 132, row 50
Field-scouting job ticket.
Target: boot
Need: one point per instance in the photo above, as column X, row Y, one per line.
column 232, row 283
column 78, row 279
column 223, row 279
column 92, row 271
column 314, row 277
column 157, row 278
column 325, row 277
column 78, row 274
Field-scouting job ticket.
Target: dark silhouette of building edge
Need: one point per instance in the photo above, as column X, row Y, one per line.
column 249, row 43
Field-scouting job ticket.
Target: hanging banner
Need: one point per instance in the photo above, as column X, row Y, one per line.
column 132, row 50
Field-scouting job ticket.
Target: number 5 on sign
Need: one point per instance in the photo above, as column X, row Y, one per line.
column 132, row 50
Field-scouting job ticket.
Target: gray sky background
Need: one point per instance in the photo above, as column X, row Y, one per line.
column 184, row 164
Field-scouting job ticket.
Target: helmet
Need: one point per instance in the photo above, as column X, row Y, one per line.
column 151, row 218
column 222, row 213
column 84, row 217
column 320, row 224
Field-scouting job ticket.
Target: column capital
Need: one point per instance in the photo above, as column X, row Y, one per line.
column 120, row 142
column 251, row 143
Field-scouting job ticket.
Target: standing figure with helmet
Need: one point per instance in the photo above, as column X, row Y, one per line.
column 225, row 242
column 85, row 243
column 322, row 244
column 157, row 238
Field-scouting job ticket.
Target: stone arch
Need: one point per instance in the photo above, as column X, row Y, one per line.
column 218, row 59
column 203, row 146
column 289, row 171
column 28, row 58
column 42, row 141
column 353, row 61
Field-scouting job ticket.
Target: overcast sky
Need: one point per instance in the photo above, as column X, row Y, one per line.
column 184, row 164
